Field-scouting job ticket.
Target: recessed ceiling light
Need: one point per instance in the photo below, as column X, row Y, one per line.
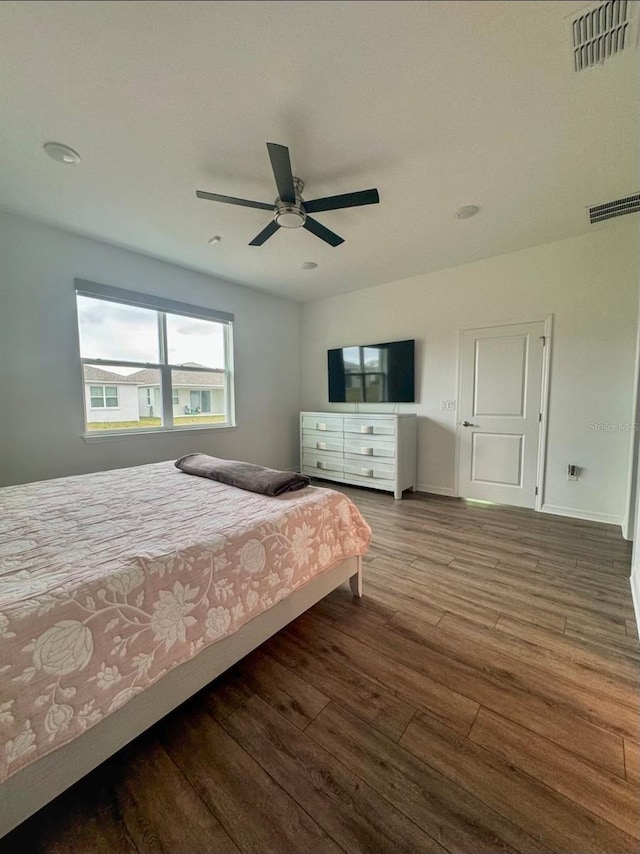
column 62, row 153
column 308, row 265
column 213, row 240
column 467, row 211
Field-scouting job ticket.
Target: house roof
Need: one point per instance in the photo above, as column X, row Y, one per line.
column 149, row 376
column 92, row 374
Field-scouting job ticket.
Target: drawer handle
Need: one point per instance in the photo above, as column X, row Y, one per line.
column 322, row 465
column 367, row 472
column 321, row 446
column 366, row 428
column 321, row 426
column 367, row 451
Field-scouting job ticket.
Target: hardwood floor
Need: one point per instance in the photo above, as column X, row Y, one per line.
column 481, row 697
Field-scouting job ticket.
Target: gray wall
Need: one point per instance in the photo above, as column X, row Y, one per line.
column 589, row 285
column 41, row 420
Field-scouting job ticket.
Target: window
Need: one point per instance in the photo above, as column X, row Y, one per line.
column 200, row 400
column 103, row 396
column 152, row 364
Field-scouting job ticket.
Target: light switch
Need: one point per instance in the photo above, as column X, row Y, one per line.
column 448, row 405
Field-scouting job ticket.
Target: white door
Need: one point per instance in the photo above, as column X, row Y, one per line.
column 500, row 412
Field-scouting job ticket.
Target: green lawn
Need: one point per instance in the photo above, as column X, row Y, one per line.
column 154, row 422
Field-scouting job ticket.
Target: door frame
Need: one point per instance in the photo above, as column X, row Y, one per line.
column 544, row 397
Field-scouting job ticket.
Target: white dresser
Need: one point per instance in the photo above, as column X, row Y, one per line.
column 372, row 450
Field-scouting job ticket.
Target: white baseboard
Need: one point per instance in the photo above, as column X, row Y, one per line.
column 572, row 512
column 635, row 595
column 436, row 490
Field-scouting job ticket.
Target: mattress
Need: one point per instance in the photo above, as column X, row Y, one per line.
column 109, row 580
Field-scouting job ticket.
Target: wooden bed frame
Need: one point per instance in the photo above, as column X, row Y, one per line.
column 40, row 782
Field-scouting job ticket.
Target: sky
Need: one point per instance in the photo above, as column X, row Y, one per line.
column 113, row 331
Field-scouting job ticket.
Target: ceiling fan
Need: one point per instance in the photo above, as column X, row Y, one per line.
column 290, row 210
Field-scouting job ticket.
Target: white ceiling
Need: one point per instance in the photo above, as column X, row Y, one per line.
column 437, row 105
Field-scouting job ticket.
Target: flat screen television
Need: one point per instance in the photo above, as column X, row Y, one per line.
column 373, row 373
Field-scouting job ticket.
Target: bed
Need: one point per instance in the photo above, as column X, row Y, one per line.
column 122, row 593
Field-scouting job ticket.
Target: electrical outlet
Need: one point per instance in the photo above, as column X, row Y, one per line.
column 448, row 405
column 573, row 472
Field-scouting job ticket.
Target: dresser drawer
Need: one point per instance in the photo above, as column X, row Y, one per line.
column 322, row 424
column 369, row 427
column 364, row 447
column 316, row 440
column 322, row 462
column 371, row 482
column 368, row 469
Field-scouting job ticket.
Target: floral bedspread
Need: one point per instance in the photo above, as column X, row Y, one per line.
column 109, row 580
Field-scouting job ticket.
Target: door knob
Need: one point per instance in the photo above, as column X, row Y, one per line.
column 468, row 424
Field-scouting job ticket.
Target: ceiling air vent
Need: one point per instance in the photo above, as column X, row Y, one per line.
column 630, row 204
column 602, row 31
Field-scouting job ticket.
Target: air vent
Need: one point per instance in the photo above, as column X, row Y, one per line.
column 630, row 204
column 603, row 31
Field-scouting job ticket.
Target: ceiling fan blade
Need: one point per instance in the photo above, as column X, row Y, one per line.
column 231, row 200
column 281, row 165
column 323, row 233
column 346, row 200
column 265, row 234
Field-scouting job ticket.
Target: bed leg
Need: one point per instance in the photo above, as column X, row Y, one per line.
column 355, row 582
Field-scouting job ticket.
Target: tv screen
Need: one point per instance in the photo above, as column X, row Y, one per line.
column 374, row 373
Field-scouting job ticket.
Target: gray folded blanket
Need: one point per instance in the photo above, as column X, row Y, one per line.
column 243, row 475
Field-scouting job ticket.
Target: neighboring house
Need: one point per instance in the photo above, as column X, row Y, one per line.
column 113, row 397
column 109, row 396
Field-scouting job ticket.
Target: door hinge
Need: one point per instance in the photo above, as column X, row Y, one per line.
column 536, row 490
column 540, row 417
column 543, row 338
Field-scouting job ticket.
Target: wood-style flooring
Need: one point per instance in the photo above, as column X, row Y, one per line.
column 481, row 697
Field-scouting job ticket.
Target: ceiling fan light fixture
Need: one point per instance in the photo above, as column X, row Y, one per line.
column 290, row 216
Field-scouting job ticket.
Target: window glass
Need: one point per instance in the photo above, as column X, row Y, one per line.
column 126, row 399
column 194, row 342
column 111, row 395
column 97, row 395
column 202, row 397
column 110, row 330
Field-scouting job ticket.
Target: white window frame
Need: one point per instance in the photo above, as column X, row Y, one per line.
column 162, row 307
column 104, row 396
